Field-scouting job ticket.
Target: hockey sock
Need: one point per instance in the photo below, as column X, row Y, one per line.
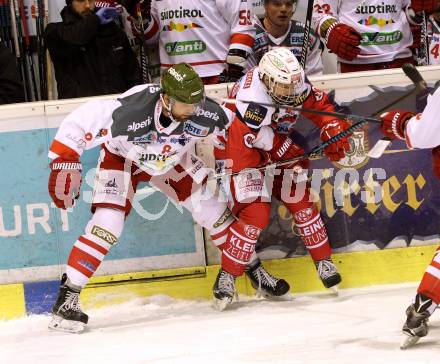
column 313, row 232
column 239, row 248
column 430, row 284
column 90, row 249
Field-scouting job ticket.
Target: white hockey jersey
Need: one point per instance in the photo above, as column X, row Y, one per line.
column 200, row 32
column 130, row 127
column 293, row 39
column 433, row 29
column 383, row 25
column 423, row 130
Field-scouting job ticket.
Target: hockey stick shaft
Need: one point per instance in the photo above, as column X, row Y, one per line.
column 145, row 65
column 306, row 39
column 339, row 115
column 316, row 151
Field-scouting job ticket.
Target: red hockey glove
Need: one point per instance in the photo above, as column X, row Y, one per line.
column 428, row 6
column 343, row 40
column 394, row 123
column 436, row 161
column 64, row 181
column 284, row 148
column 335, row 151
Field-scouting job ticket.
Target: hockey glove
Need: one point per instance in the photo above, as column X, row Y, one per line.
column 436, row 161
column 336, row 150
column 284, row 148
column 64, row 181
column 232, row 73
column 235, row 63
column 428, row 6
column 343, row 40
column 107, row 15
column 394, row 123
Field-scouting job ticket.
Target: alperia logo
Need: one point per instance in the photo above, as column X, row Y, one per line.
column 378, row 38
column 188, row 47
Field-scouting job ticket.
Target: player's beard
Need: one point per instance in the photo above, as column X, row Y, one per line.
column 86, row 12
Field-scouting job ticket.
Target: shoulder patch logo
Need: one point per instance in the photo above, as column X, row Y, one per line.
column 254, row 115
column 249, row 139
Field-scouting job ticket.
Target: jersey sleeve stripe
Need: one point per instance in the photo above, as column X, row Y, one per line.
column 244, row 39
column 151, row 31
column 63, row 150
column 195, row 63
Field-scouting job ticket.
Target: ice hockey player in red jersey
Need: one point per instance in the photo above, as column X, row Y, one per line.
column 258, row 136
column 146, row 135
column 420, row 131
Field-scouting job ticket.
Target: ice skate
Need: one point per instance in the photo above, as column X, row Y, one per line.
column 416, row 325
column 329, row 274
column 224, row 290
column 267, row 285
column 67, row 315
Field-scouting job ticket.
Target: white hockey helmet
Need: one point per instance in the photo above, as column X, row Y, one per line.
column 282, row 75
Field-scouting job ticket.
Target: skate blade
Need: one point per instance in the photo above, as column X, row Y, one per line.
column 285, row 297
column 59, row 324
column 221, row 304
column 409, row 341
column 334, row 290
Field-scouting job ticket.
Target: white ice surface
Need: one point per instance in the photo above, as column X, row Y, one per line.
column 358, row 326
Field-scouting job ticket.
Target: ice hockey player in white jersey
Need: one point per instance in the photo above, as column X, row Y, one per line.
column 278, row 29
column 146, row 135
column 420, row 131
column 215, row 37
column 382, row 28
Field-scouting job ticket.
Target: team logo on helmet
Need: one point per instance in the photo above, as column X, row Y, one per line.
column 277, row 63
column 176, row 74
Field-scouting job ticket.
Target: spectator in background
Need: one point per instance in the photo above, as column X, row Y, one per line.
column 369, row 36
column 11, row 88
column 277, row 29
column 215, row 37
column 91, row 54
column 433, row 28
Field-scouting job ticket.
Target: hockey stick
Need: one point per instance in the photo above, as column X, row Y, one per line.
column 315, row 152
column 306, row 40
column 336, row 114
column 410, row 71
column 27, row 45
column 145, row 64
column 16, row 34
column 420, row 85
column 424, row 46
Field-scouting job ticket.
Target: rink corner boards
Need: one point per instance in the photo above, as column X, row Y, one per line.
column 358, row 269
